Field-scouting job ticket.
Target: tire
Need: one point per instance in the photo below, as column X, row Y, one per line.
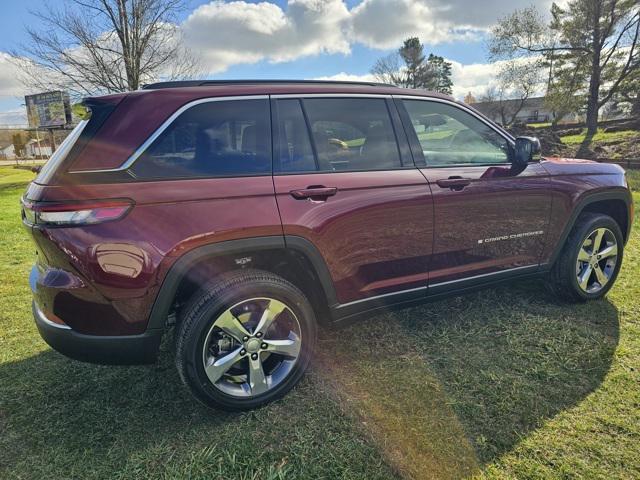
column 216, row 310
column 563, row 279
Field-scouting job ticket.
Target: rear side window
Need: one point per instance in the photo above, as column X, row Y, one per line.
column 349, row 134
column 212, row 139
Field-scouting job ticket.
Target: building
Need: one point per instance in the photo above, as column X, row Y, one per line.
column 7, row 152
column 532, row 110
column 38, row 149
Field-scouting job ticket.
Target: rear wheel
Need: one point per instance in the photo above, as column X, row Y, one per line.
column 590, row 260
column 245, row 340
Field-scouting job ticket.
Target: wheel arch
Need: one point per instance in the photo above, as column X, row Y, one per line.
column 616, row 204
column 294, row 258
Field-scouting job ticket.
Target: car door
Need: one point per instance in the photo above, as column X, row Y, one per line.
column 490, row 219
column 344, row 183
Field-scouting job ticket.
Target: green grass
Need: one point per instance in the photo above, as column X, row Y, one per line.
column 539, row 125
column 600, row 136
column 503, row 383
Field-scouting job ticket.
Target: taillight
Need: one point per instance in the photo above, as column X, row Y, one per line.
column 74, row 213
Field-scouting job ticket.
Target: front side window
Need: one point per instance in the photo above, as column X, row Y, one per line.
column 212, row 139
column 352, row 134
column 451, row 136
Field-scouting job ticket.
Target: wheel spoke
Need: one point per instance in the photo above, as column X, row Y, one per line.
column 219, row 367
column 288, row 347
column 610, row 251
column 597, row 241
column 231, row 326
column 601, row 276
column 585, row 275
column 583, row 256
column 271, row 311
column 257, row 379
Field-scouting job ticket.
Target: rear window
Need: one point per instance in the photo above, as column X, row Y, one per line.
column 212, row 139
column 49, row 168
column 352, row 134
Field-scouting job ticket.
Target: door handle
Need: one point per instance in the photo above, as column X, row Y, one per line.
column 315, row 193
column 454, row 183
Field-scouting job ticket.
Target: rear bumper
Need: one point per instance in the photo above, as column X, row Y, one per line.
column 110, row 350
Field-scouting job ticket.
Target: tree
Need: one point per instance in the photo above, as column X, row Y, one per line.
column 18, row 144
column 628, row 95
column 590, row 47
column 518, row 80
column 91, row 46
column 410, row 68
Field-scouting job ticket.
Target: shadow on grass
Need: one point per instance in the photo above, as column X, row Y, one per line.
column 65, row 419
column 450, row 386
column 443, row 389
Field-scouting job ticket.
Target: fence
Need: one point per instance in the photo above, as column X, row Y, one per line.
column 629, row 163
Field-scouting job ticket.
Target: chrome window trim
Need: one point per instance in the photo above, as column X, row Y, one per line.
column 330, row 95
column 141, row 149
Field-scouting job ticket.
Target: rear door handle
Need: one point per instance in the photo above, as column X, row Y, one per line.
column 454, row 183
column 314, row 192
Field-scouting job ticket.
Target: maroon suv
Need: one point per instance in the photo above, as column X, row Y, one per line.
column 245, row 213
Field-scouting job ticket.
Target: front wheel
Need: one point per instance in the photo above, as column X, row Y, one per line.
column 245, row 340
column 590, row 260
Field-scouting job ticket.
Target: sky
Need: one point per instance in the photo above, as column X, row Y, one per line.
column 328, row 39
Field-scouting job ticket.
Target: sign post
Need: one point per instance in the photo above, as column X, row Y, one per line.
column 49, row 110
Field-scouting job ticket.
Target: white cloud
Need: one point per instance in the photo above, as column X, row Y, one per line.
column 241, row 32
column 385, row 24
column 236, row 32
column 9, row 78
column 14, row 117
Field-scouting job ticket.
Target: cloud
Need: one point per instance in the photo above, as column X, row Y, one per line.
column 476, row 78
column 236, row 32
column 384, row 24
column 241, row 32
column 14, row 117
column 10, row 84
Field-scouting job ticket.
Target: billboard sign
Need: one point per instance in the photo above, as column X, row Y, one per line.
column 48, row 109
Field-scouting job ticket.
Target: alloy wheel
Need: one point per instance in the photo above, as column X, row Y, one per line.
column 597, row 259
column 252, row 347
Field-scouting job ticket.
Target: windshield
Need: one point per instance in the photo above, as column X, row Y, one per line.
column 59, row 155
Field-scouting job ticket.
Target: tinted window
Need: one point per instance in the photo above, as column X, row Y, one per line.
column 450, row 136
column 294, row 145
column 352, row 134
column 212, row 139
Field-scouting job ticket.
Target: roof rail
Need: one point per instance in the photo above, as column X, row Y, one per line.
column 206, row 83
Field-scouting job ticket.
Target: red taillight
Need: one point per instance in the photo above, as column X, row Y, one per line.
column 74, row 213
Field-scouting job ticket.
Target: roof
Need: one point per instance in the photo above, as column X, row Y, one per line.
column 204, row 83
column 215, row 88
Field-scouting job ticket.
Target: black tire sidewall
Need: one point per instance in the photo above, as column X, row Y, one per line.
column 204, row 314
column 598, row 221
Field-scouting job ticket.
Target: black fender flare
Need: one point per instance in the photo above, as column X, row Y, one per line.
column 621, row 193
column 166, row 294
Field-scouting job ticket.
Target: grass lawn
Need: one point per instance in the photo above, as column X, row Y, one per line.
column 503, row 383
column 600, row 137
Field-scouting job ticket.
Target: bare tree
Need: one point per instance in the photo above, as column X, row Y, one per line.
column 518, row 80
column 91, row 46
column 595, row 42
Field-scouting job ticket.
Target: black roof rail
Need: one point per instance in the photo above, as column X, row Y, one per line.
column 206, row 83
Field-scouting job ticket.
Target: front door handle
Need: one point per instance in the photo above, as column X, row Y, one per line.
column 317, row 193
column 454, row 183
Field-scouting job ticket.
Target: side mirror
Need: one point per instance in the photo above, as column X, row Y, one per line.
column 527, row 149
